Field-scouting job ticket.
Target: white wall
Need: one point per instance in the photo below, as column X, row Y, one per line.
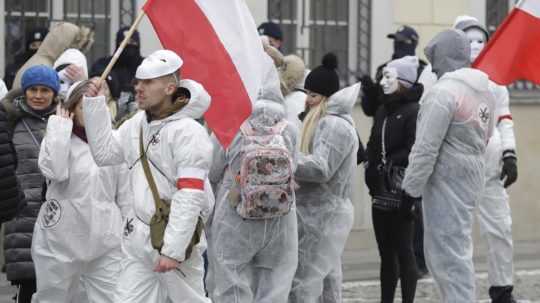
column 259, row 9
column 382, row 24
column 149, row 39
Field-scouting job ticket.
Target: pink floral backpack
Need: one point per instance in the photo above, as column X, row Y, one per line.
column 266, row 178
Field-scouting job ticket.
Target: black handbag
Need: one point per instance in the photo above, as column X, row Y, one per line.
column 390, row 177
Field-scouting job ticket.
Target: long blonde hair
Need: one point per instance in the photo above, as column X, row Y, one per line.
column 310, row 124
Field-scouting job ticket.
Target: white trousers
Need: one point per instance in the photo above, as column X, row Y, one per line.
column 138, row 283
column 62, row 280
column 495, row 220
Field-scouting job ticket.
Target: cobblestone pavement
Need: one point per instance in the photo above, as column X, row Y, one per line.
column 527, row 289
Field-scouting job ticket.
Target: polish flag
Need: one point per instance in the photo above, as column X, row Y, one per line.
column 514, row 51
column 221, row 49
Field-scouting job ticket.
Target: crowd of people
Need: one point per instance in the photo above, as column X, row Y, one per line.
column 116, row 191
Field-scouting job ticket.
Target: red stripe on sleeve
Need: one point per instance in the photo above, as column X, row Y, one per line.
column 509, row 117
column 190, row 183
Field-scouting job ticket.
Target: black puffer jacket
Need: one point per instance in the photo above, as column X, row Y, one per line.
column 11, row 198
column 18, row 232
column 400, row 113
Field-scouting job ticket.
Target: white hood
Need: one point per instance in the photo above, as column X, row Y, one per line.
column 199, row 102
column 72, row 56
column 342, row 102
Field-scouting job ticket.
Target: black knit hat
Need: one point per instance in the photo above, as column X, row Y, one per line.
column 270, row 29
column 324, row 79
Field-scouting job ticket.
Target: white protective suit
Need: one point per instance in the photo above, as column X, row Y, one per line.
column 78, row 232
column 295, row 104
column 494, row 214
column 252, row 260
column 179, row 150
column 446, row 163
column 324, row 208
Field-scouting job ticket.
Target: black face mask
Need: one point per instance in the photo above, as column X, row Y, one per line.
column 130, row 56
column 402, row 49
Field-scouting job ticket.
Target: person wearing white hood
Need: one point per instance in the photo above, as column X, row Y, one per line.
column 71, row 67
column 169, row 155
column 446, row 163
column 324, row 174
column 78, row 232
column 253, row 243
column 494, row 214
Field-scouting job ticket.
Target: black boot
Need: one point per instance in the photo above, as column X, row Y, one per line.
column 501, row 294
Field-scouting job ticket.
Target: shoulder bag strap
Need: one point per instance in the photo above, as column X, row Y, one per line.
column 36, row 142
column 148, row 172
column 383, row 144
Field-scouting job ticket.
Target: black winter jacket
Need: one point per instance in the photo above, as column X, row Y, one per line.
column 18, row 232
column 11, row 199
column 400, row 112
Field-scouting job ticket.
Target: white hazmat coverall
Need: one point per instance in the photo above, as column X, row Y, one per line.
column 494, row 216
column 180, row 154
column 77, row 236
column 446, row 164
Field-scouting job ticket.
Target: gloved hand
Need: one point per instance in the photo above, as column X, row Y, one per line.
column 367, row 84
column 509, row 171
column 408, row 205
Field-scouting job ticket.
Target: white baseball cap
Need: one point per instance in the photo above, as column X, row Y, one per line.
column 160, row 63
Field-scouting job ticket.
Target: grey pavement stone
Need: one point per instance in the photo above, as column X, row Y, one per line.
column 527, row 289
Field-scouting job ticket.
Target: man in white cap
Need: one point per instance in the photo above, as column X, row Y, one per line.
column 163, row 143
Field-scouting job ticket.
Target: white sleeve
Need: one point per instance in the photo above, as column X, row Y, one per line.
column 105, row 143
column 192, row 156
column 124, row 195
column 505, row 124
column 219, row 164
column 54, row 151
column 435, row 116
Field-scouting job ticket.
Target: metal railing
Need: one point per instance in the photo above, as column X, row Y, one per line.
column 313, row 28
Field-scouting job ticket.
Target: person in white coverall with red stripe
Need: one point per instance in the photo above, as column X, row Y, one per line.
column 493, row 207
column 179, row 154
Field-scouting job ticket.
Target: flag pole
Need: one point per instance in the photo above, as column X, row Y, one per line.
column 120, row 49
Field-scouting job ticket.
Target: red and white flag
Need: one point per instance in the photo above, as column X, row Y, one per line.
column 221, row 49
column 514, row 51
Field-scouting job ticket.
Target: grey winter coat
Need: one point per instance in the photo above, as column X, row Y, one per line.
column 28, row 129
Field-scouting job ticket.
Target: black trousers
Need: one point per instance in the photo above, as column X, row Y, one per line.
column 394, row 234
column 25, row 290
column 418, row 243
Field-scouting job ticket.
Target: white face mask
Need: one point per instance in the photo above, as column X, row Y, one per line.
column 65, row 83
column 389, row 81
column 477, row 38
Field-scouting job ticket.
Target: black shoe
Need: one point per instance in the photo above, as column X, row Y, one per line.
column 502, row 294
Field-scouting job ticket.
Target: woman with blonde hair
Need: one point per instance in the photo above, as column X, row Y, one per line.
column 326, row 163
column 78, row 232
